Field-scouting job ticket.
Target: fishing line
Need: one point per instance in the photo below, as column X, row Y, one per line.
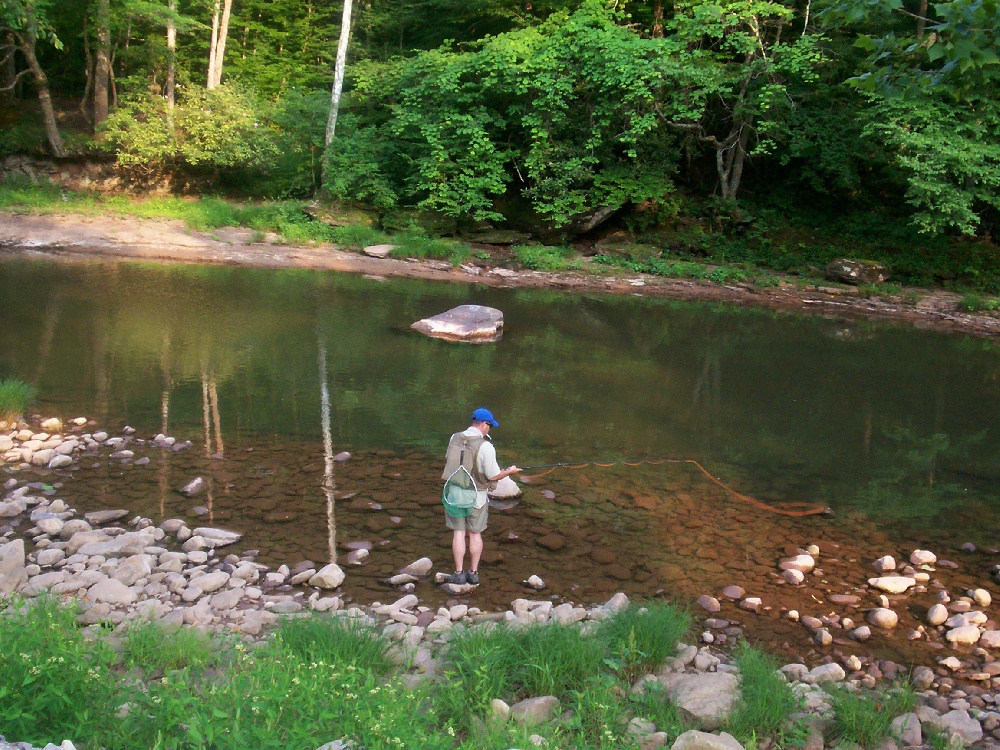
column 788, row 509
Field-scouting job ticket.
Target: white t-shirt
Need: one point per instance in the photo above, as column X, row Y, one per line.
column 486, row 462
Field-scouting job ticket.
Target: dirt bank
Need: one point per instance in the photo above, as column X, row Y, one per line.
column 74, row 236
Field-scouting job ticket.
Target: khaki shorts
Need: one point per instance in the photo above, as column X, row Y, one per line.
column 475, row 522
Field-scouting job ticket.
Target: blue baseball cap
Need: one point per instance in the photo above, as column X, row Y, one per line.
column 484, row 415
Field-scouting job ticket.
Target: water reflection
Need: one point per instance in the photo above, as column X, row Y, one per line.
column 896, row 423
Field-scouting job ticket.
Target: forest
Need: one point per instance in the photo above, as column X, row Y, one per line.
column 880, row 117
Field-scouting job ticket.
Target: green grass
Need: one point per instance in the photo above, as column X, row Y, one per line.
column 512, row 664
column 654, row 705
column 415, row 243
column 55, row 682
column 336, row 640
column 642, row 636
column 766, row 699
column 357, row 237
column 864, row 717
column 546, row 258
column 15, row 396
column 153, row 648
column 972, row 302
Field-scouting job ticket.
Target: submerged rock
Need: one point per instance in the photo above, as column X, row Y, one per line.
column 474, row 324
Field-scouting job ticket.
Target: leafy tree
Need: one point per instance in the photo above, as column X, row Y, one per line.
column 27, row 23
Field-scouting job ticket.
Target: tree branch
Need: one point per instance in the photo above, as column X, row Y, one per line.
column 13, row 83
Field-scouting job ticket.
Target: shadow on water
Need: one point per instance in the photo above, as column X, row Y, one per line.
column 271, row 373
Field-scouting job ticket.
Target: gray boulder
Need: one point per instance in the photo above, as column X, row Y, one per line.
column 328, row 577
column 856, row 272
column 695, row 740
column 535, row 710
column 706, row 698
column 12, row 572
column 474, row 324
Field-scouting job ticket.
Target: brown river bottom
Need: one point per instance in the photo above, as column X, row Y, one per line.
column 648, row 531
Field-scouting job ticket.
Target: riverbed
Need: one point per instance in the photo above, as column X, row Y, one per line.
column 892, row 428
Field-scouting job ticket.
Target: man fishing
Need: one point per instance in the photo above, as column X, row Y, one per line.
column 471, row 452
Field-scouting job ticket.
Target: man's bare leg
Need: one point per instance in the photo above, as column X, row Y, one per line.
column 458, row 549
column 475, row 549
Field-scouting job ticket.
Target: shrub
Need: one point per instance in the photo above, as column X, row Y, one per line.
column 642, row 636
column 15, row 396
column 972, row 302
column 415, row 243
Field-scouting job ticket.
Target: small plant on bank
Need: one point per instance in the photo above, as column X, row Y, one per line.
column 357, row 237
column 416, row 243
column 15, row 396
column 766, row 699
column 155, row 648
column 336, row 640
column 546, row 258
column 864, row 717
column 641, row 637
column 500, row 662
column 653, row 704
column 972, row 302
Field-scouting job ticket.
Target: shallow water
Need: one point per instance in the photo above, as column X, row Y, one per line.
column 892, row 428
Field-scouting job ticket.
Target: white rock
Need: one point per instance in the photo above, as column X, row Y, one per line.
column 328, row 577
column 111, row 591
column 982, row 597
column 965, row 635
column 536, row 583
column 883, row 618
column 421, row 567
column 506, row 489
column 937, row 614
column 922, row 557
column 60, row 461
column 960, row 724
column 892, row 584
column 52, row 425
column 885, row 563
column 831, row 672
column 51, row 526
column 802, row 563
column 211, row 581
column 907, row 729
column 794, row 577
column 990, row 639
column 472, row 323
column 217, row 537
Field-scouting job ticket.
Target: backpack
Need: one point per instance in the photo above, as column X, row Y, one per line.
column 459, row 493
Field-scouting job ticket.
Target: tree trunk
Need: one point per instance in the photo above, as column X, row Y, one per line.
column 729, row 159
column 220, row 45
column 171, row 55
column 658, row 19
column 102, row 65
column 27, row 41
column 212, row 47
column 8, row 77
column 88, row 86
column 922, row 20
column 338, row 76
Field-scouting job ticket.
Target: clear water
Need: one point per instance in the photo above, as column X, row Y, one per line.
column 896, row 430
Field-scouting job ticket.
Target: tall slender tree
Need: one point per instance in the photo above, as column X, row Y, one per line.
column 338, row 75
column 217, row 49
column 102, row 63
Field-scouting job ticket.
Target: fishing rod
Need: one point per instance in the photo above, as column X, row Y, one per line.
column 788, row 509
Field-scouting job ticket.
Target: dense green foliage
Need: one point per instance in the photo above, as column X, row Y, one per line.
column 323, row 678
column 551, row 116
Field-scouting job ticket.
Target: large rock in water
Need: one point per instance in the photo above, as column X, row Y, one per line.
column 856, row 272
column 474, row 324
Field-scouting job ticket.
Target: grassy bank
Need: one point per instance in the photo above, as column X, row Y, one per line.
column 777, row 247
column 323, row 678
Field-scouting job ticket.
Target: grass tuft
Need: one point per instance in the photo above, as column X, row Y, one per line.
column 15, row 396
column 766, row 699
column 341, row 641
column 155, row 648
column 641, row 637
column 546, row 258
column 864, row 717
